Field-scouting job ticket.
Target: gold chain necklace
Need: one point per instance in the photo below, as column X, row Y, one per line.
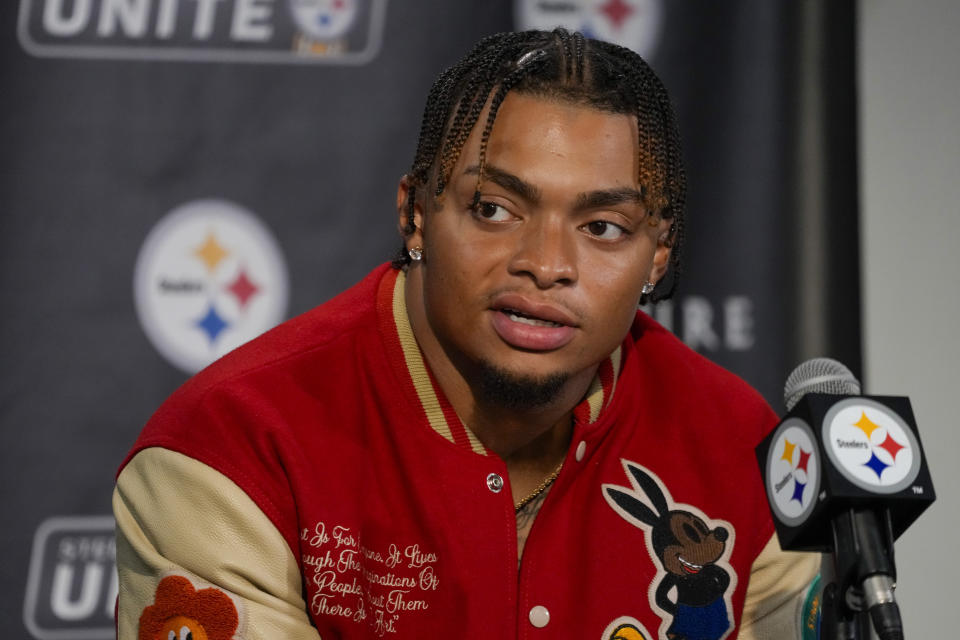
column 543, row 487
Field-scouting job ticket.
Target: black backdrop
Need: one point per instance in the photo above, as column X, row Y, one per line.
column 173, row 183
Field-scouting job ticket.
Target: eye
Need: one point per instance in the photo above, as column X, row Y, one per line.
column 691, row 532
column 604, row 230
column 492, row 212
column 185, row 633
column 172, row 635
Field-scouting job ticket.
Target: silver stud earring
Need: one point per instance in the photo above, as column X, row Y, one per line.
column 647, row 288
column 416, row 254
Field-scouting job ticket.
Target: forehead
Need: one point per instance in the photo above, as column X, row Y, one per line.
column 536, row 136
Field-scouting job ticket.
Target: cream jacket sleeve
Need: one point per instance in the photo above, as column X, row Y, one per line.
column 178, row 519
column 780, row 582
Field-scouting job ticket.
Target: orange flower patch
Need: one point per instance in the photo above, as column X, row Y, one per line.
column 181, row 612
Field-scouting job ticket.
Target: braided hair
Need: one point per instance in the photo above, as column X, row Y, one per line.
column 563, row 66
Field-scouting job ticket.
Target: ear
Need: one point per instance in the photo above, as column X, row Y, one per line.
column 407, row 193
column 629, row 507
column 661, row 257
column 650, row 488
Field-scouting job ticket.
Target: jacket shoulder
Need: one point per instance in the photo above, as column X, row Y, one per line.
column 677, row 366
column 350, row 311
column 284, row 371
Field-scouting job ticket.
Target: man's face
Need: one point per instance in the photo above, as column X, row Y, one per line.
column 542, row 279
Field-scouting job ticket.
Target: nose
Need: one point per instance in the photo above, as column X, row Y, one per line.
column 546, row 252
column 721, row 534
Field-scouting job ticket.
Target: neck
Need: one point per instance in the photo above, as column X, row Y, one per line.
column 527, row 439
column 532, row 443
column 524, row 437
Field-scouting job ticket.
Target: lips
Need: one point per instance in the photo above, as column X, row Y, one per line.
column 689, row 567
column 531, row 325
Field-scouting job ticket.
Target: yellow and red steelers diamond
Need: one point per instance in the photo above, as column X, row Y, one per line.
column 243, row 288
column 866, row 425
column 211, row 252
column 616, row 11
column 891, row 446
column 788, row 448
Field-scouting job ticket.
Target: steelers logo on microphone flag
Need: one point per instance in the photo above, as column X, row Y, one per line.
column 793, row 472
column 871, row 445
column 210, row 277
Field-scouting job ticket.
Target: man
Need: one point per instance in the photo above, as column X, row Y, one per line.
column 486, row 440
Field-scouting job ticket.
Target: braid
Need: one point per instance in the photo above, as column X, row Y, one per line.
column 661, row 172
column 564, row 36
column 468, row 112
column 512, row 78
column 578, row 54
column 562, row 66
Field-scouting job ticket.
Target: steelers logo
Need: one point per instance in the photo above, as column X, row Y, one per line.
column 793, row 472
column 871, row 445
column 324, row 20
column 209, row 277
column 634, row 24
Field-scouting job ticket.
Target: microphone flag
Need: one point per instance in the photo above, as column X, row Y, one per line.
column 832, row 453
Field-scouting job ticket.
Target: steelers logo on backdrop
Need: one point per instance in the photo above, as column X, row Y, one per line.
column 324, row 19
column 209, row 277
column 635, row 24
column 793, row 472
column 871, row 445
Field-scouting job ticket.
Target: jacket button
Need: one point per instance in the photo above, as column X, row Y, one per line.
column 581, row 450
column 539, row 616
column 494, row 483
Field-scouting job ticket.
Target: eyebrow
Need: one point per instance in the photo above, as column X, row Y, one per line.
column 507, row 180
column 586, row 200
column 608, row 198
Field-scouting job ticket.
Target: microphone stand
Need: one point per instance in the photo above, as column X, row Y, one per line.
column 860, row 602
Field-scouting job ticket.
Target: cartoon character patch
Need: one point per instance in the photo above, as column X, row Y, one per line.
column 626, row 628
column 694, row 583
column 181, row 612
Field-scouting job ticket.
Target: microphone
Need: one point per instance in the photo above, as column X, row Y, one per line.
column 846, row 474
column 820, row 375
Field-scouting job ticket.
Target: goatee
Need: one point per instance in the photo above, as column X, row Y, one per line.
column 511, row 390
